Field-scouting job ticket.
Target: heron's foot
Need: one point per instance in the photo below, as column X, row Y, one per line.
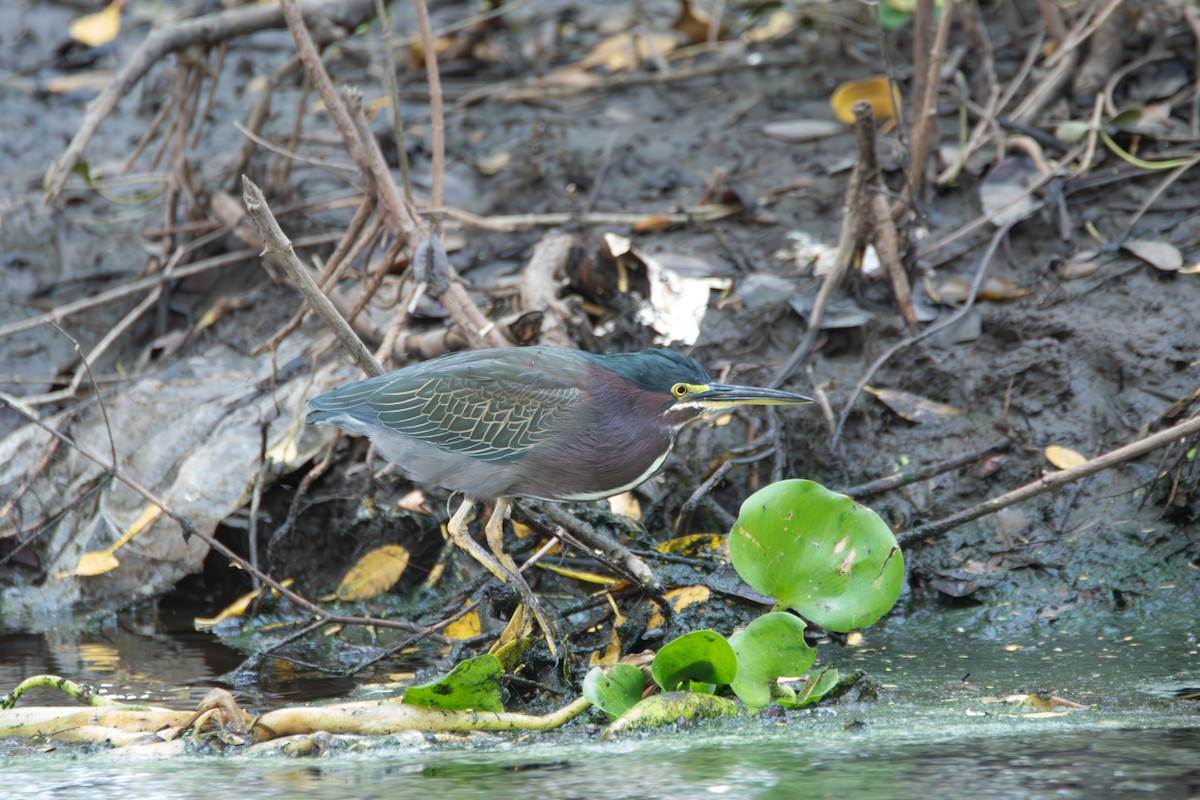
column 495, row 537
column 500, row 564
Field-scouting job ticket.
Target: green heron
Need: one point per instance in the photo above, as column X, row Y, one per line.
column 538, row 422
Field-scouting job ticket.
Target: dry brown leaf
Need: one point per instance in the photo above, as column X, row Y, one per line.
column 495, row 163
column 1063, row 457
column 1157, row 253
column 95, row 81
column 1002, row 290
column 99, row 28
column 875, row 90
column 1004, row 184
column 1079, row 268
column 627, row 51
column 374, row 574
column 694, row 23
column 780, row 23
column 912, row 407
column 652, row 223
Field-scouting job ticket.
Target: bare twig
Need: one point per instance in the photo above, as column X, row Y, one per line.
column 202, row 31
column 278, row 244
column 1054, row 480
column 437, row 191
column 855, row 211
column 909, row 476
column 925, row 117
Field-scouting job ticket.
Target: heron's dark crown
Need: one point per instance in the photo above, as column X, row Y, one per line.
column 654, row 370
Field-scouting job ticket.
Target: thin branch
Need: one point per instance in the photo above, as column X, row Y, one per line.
column 1054, row 480
column 278, row 244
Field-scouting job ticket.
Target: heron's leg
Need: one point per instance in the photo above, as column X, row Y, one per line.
column 495, row 537
column 457, row 528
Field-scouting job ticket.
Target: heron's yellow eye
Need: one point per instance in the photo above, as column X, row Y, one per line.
column 679, row 390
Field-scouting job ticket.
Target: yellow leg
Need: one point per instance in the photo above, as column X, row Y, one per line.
column 498, row 562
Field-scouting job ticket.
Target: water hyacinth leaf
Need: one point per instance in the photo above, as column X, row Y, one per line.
column 814, row 688
column 818, row 553
column 616, row 691
column 698, row 657
column 769, row 648
column 472, row 685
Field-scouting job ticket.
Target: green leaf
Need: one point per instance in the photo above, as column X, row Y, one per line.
column 472, row 685
column 768, row 649
column 699, row 657
column 815, row 687
column 819, row 553
column 616, row 691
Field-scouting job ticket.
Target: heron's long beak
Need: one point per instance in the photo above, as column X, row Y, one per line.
column 723, row 395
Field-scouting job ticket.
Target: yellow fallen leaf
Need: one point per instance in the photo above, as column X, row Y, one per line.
column 467, row 626
column 875, row 90
column 96, row 563
column 580, row 574
column 99, row 28
column 1063, row 457
column 238, row 606
column 374, row 574
column 679, row 599
column 610, row 653
column 692, row 544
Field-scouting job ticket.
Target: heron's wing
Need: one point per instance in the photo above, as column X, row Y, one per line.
column 496, row 420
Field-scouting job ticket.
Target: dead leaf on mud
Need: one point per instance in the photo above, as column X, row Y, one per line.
column 627, row 51
column 997, row 290
column 913, row 407
column 1157, row 253
column 1004, row 184
column 374, row 574
column 679, row 599
column 99, row 28
column 779, row 23
column 694, row 23
column 1063, row 457
column 803, row 130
